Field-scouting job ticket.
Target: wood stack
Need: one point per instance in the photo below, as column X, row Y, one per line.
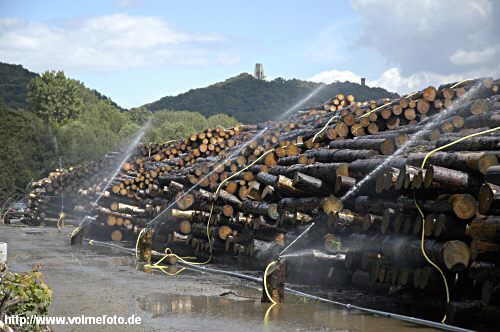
column 353, row 168
column 68, row 190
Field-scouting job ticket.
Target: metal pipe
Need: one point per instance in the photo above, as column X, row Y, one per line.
column 404, row 318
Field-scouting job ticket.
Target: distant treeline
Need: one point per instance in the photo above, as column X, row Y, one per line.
column 54, row 117
column 251, row 101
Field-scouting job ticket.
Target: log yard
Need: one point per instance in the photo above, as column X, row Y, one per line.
column 322, row 166
column 397, row 200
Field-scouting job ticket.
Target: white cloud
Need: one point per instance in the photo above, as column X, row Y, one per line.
column 423, row 42
column 476, row 57
column 393, row 80
column 438, row 36
column 128, row 3
column 331, row 76
column 112, row 42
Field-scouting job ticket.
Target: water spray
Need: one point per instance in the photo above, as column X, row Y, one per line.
column 60, row 221
column 301, row 102
column 279, row 268
column 77, row 234
column 296, row 239
column 238, row 151
column 414, row 139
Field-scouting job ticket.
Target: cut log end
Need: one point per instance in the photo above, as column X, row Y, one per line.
column 456, row 255
column 464, row 206
column 116, row 235
column 332, row 204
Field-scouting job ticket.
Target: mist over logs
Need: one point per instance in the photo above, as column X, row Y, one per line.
column 240, row 195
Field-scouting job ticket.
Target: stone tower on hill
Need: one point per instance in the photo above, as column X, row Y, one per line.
column 258, row 72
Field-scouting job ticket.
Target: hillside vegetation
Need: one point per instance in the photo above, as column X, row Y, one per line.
column 251, row 101
column 14, row 86
column 56, row 117
column 14, row 80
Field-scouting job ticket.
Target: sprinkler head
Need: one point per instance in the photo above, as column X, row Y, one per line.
column 77, row 236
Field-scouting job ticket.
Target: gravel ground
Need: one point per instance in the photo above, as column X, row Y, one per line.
column 90, row 280
column 95, row 281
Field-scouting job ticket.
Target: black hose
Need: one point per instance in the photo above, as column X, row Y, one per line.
column 404, row 318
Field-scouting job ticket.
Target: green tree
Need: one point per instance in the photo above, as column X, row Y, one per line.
column 139, row 114
column 14, row 85
column 27, row 151
column 55, row 98
column 221, row 120
column 168, row 125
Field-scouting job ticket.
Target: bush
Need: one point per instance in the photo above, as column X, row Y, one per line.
column 25, row 294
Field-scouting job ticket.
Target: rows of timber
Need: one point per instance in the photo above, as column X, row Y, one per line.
column 369, row 241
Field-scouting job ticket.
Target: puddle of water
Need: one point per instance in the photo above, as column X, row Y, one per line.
column 240, row 310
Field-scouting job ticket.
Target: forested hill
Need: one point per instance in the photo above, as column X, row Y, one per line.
column 49, row 120
column 251, row 100
column 14, row 80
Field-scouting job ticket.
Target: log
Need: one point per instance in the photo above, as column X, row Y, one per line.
column 450, row 178
column 481, row 249
column 343, row 183
column 321, row 171
column 463, row 161
column 384, row 146
column 470, row 144
column 487, row 228
column 492, row 175
column 306, row 204
column 360, row 168
column 489, row 199
column 338, row 155
column 145, row 246
column 453, row 255
column 306, row 182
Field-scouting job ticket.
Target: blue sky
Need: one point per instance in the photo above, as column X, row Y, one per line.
column 136, row 51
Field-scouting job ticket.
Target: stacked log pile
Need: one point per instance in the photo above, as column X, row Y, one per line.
column 356, row 170
column 70, row 191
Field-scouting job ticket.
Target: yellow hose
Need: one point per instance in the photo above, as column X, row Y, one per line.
column 60, row 221
column 323, row 129
column 162, row 269
column 137, row 243
column 168, row 253
column 387, row 104
column 422, row 247
column 455, row 142
column 266, row 316
column 264, row 278
column 75, row 231
column 422, row 242
column 459, row 83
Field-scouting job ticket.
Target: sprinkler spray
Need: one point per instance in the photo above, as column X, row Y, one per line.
column 77, row 234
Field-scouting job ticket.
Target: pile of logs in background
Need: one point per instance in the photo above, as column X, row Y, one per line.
column 70, row 191
column 354, row 169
